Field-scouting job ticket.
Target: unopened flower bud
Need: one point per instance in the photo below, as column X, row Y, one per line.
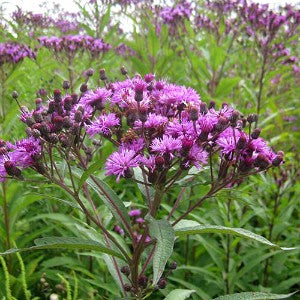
column 149, row 77
column 193, row 113
column 212, row 104
column 173, row 265
column 162, row 283
column 159, row 163
column 66, row 85
column 103, row 76
column 11, row 169
column 261, row 161
column 142, row 281
column 75, row 129
column 15, row 94
column 241, row 142
column 255, row 133
column 37, row 116
column 203, row 108
column 53, row 138
column 57, row 95
column 277, row 160
column 67, row 123
column 127, row 287
column 83, row 88
column 29, row 121
column 36, row 133
column 78, row 116
column 222, row 123
column 125, row 270
column 74, row 98
column 90, row 72
column 152, row 177
column 234, row 117
column 252, row 118
column 143, row 114
column 128, row 173
column 38, row 103
column 51, row 107
column 123, row 71
column 68, row 102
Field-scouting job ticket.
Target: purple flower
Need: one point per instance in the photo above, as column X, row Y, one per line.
column 96, row 98
column 102, row 125
column 166, row 145
column 120, row 163
column 134, row 213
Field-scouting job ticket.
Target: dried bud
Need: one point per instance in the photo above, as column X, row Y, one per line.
column 64, row 140
column 68, row 103
column 162, row 283
column 66, row 85
column 57, row 95
column 103, row 76
column 15, row 94
column 252, row 118
column 67, row 123
column 35, row 133
column 125, row 270
column 123, row 71
column 83, row 88
column 255, row 133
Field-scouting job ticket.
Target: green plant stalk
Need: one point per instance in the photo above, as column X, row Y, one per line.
column 23, row 277
column 7, row 281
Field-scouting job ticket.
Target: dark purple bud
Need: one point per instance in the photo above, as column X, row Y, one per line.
column 29, row 121
column 162, row 283
column 181, row 107
column 128, row 173
column 233, row 118
column 149, row 77
column 103, row 76
column 203, row 108
column 255, row 133
column 67, row 123
column 261, row 161
column 36, row 133
column 64, row 140
column 83, row 88
column 125, row 270
column 152, row 177
column 37, row 116
column 78, row 116
column 11, row 169
column 51, row 107
column 38, row 103
column 241, row 142
column 68, row 103
column 53, row 138
column 159, row 163
column 224, row 105
column 15, row 94
column 44, row 128
column 3, row 150
column 123, row 71
column 66, row 85
column 277, row 160
column 222, row 123
column 142, row 281
column 74, row 98
column 143, row 114
column 2, row 143
column 57, row 95
column 252, row 118
column 212, row 104
column 75, row 129
column 193, row 113
column 90, row 72
column 173, row 265
column 127, row 287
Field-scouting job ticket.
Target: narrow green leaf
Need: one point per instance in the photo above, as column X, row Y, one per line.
column 162, row 231
column 254, row 296
column 226, row 86
column 94, row 167
column 66, row 243
column 186, row 227
column 179, row 294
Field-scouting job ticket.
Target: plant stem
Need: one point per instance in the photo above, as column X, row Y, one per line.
column 228, row 240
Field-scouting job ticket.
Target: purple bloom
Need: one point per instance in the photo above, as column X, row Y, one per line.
column 166, row 145
column 120, row 163
column 96, row 98
column 134, row 213
column 102, row 125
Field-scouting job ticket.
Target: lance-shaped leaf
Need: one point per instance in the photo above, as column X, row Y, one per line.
column 254, row 296
column 186, row 227
column 111, row 199
column 163, row 233
column 179, row 294
column 66, row 243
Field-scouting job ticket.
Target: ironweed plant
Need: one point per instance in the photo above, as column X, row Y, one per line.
column 162, row 134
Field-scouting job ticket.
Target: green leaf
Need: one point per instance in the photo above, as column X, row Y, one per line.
column 66, row 243
column 163, row 232
column 179, row 294
column 225, row 86
column 112, row 201
column 186, row 227
column 94, row 167
column 254, row 296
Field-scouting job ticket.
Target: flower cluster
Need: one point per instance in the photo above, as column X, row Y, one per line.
column 74, row 43
column 13, row 53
